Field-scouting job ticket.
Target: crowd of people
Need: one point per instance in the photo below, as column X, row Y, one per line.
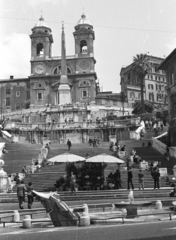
column 133, row 161
column 155, row 125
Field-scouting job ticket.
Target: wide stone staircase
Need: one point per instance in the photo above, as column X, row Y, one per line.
column 44, row 179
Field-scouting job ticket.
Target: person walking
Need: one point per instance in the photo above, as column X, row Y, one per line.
column 30, row 194
column 21, row 193
column 130, row 178
column 72, row 183
column 69, row 144
column 156, row 177
column 141, row 179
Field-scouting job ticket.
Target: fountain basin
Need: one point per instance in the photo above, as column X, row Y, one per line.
column 139, row 204
column 131, row 208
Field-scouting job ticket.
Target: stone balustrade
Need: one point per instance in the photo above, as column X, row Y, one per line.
column 159, row 146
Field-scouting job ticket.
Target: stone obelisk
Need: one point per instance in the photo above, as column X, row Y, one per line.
column 64, row 88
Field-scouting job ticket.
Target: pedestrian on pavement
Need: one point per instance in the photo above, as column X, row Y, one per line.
column 156, row 177
column 17, row 179
column 21, row 193
column 72, row 183
column 10, row 187
column 141, row 179
column 117, row 179
column 30, row 194
column 69, row 144
column 130, row 178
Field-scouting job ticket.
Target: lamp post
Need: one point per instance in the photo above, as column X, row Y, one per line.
column 122, row 97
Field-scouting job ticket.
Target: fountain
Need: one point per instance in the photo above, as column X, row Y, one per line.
column 60, row 213
column 131, row 206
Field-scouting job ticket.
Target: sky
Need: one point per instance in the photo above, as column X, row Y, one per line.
column 123, row 28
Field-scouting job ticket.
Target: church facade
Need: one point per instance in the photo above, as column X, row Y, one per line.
column 41, row 88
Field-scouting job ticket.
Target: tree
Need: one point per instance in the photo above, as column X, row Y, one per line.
column 141, row 67
column 148, row 107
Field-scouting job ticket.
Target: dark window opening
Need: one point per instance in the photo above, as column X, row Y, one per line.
column 28, row 94
column 68, row 70
column 84, row 94
column 8, row 90
column 7, row 102
column 83, row 47
column 40, row 50
column 55, row 71
column 17, row 106
column 39, row 96
column 39, row 85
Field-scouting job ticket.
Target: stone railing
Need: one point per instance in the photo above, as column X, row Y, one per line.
column 172, row 152
column 159, row 146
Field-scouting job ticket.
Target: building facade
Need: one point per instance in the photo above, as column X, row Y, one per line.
column 41, row 88
column 155, row 85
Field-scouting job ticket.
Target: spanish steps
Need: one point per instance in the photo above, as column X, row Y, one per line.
column 44, row 179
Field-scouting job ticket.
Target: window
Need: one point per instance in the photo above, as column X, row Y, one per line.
column 39, row 85
column 40, row 50
column 156, row 87
column 17, row 93
column 152, row 77
column 156, row 69
column 151, row 97
column 171, row 77
column 139, row 96
column 129, row 76
column 18, row 84
column 17, row 106
column 57, row 70
column 28, row 95
column 28, row 84
column 83, row 47
column 39, row 96
column 84, row 94
column 8, row 102
column 150, row 86
column 132, row 95
column 156, row 78
column 159, row 97
column 8, row 90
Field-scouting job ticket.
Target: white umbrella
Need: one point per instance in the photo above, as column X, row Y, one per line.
column 66, row 157
column 104, row 158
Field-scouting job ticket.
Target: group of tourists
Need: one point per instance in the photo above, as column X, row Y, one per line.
column 95, row 142
column 155, row 125
column 22, row 190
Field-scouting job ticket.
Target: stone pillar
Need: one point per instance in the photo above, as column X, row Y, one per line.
column 85, row 218
column 3, row 178
column 27, row 221
column 16, row 216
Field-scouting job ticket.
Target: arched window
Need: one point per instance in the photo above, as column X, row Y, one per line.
column 8, row 90
column 57, row 70
column 83, row 47
column 40, row 50
column 132, row 95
